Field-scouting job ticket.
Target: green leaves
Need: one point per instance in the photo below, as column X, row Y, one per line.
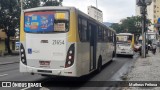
column 38, row 3
column 10, row 12
column 130, row 25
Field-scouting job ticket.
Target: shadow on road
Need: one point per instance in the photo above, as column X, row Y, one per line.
column 61, row 81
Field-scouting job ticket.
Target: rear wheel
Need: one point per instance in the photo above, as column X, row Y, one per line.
column 99, row 68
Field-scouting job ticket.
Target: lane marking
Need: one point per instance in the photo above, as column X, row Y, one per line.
column 3, row 75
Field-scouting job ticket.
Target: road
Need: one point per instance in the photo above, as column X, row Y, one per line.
column 112, row 71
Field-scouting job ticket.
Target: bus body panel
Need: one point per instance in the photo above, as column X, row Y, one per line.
column 46, row 47
column 83, row 60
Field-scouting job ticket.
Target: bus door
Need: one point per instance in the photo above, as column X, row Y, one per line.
column 93, row 44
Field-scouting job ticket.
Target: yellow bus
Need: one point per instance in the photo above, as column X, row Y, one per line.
column 63, row 41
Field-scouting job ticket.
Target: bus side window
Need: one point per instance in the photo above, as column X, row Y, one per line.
column 80, row 27
column 105, row 35
column 109, row 36
column 99, row 33
column 84, row 30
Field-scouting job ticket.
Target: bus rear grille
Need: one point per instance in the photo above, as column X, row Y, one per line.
column 45, row 71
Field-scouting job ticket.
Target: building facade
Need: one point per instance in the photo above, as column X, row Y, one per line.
column 95, row 13
column 2, row 42
column 153, row 13
column 3, row 48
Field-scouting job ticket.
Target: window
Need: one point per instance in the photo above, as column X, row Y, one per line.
column 110, row 36
column 106, row 35
column 100, row 34
column 79, row 27
column 83, row 32
column 46, row 21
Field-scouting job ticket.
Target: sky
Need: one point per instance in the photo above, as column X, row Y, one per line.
column 113, row 10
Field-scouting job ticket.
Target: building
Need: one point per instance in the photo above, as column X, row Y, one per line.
column 3, row 38
column 153, row 12
column 2, row 42
column 95, row 13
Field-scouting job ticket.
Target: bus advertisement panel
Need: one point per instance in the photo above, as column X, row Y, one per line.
column 39, row 21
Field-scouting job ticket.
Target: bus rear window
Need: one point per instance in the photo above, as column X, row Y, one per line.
column 46, row 21
column 124, row 38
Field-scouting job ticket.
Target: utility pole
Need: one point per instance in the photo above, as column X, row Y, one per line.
column 144, row 31
column 143, row 4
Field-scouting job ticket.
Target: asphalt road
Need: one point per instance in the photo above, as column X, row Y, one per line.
column 113, row 71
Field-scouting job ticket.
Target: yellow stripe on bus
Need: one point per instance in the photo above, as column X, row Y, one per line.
column 73, row 35
column 22, row 34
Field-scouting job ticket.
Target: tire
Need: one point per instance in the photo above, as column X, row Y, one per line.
column 117, row 55
column 113, row 54
column 131, row 56
column 99, row 68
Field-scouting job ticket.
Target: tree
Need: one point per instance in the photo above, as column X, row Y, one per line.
column 116, row 27
column 31, row 3
column 9, row 20
column 130, row 25
column 37, row 3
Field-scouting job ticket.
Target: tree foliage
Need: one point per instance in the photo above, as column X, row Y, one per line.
column 38, row 3
column 130, row 25
column 9, row 20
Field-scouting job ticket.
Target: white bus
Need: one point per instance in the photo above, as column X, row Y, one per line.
column 63, row 41
column 125, row 44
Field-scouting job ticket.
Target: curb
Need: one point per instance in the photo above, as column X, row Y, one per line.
column 5, row 63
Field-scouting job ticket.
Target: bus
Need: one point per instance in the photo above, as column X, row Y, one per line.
column 63, row 41
column 125, row 44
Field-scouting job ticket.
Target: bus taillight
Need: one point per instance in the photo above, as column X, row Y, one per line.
column 70, row 56
column 23, row 55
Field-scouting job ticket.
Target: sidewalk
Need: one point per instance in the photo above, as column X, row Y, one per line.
column 145, row 69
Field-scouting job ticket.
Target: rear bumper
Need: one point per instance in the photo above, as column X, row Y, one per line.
column 125, row 53
column 71, row 72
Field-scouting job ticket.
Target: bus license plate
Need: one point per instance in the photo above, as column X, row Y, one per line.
column 44, row 63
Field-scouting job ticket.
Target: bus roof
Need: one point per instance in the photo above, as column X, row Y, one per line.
column 48, row 8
